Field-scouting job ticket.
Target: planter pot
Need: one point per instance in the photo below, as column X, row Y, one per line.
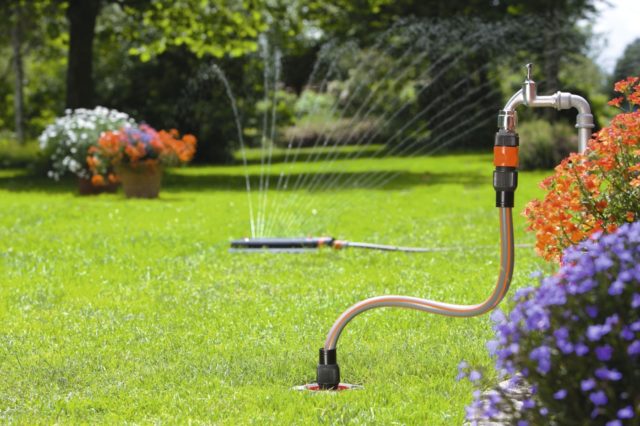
column 85, row 187
column 143, row 182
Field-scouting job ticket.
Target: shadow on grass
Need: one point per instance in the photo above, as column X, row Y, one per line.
column 178, row 182
column 336, row 181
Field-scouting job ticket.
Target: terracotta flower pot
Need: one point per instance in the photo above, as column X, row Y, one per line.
column 85, row 187
column 142, row 182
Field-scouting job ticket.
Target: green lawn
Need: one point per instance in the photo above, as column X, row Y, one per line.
column 119, row 310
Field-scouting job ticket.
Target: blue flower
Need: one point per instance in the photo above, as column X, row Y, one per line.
column 615, row 422
column 595, row 332
column 616, row 288
column 587, row 384
column 603, row 373
column 603, row 262
column 634, row 348
column 561, row 394
column 542, row 354
column 598, row 398
column 474, row 376
column 626, row 412
column 604, row 353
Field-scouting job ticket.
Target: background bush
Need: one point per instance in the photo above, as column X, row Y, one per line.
column 543, row 145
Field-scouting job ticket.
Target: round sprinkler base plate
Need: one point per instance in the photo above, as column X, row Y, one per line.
column 314, row 387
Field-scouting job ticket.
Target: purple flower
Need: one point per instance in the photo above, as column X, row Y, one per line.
column 587, row 384
column 528, row 403
column 592, row 311
column 627, row 334
column 635, row 300
column 595, row 332
column 598, row 398
column 634, row 348
column 616, row 288
column 542, row 354
column 635, row 326
column 561, row 394
column 492, row 347
column 626, row 412
column 461, row 370
column 474, row 376
column 604, row 353
column 581, row 349
column 523, row 423
column 603, row 373
column 615, row 422
column 603, row 263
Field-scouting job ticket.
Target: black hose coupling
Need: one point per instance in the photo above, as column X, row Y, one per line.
column 328, row 369
column 505, row 158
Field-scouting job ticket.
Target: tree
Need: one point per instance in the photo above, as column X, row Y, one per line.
column 213, row 28
column 82, row 15
column 16, row 47
column 629, row 63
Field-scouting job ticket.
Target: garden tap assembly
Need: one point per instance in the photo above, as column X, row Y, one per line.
column 505, row 182
column 528, row 95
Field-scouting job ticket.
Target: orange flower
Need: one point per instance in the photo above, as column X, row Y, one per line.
column 594, row 191
column 97, row 180
column 616, row 101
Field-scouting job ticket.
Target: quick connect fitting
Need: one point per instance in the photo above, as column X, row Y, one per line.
column 505, row 159
column 328, row 369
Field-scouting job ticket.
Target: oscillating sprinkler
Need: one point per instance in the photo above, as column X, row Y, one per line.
column 505, row 182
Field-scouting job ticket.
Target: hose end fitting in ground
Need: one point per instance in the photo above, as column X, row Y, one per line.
column 328, row 369
column 505, row 159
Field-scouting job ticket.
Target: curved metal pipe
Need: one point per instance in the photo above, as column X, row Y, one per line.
column 441, row 308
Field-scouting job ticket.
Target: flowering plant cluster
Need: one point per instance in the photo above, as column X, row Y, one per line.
column 67, row 141
column 139, row 148
column 575, row 341
column 596, row 191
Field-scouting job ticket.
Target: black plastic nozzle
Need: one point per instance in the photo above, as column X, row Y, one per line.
column 328, row 369
column 281, row 243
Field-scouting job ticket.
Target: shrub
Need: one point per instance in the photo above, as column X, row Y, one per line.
column 596, row 191
column 574, row 341
column 326, row 131
column 66, row 142
column 544, row 145
column 13, row 154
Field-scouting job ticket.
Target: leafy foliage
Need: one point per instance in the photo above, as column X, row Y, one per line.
column 575, row 340
column 595, row 191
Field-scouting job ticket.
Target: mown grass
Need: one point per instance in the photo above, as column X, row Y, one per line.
column 119, row 310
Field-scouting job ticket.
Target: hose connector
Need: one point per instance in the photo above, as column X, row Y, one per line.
column 505, row 159
column 328, row 369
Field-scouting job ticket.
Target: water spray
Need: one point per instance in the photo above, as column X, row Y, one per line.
column 505, row 182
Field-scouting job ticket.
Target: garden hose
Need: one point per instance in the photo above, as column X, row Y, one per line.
column 505, row 182
column 294, row 245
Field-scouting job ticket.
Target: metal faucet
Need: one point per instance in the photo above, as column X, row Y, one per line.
column 528, row 95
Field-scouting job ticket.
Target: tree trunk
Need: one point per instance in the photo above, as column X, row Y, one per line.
column 18, row 71
column 82, row 16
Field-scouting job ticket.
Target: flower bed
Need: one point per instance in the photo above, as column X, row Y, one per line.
column 575, row 340
column 596, row 191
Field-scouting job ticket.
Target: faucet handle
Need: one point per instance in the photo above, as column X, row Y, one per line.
column 529, row 68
